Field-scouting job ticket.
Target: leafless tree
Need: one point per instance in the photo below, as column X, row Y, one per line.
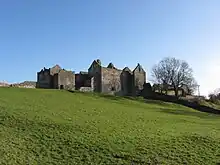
column 215, row 96
column 175, row 73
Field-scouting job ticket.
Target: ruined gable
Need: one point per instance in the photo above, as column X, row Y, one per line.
column 139, row 78
column 126, row 69
column 94, row 73
column 64, row 79
column 94, row 67
column 138, row 69
column 55, row 69
column 111, row 66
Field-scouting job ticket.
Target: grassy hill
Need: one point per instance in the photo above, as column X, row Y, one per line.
column 59, row 127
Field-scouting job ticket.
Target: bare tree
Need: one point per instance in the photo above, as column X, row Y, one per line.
column 175, row 73
column 162, row 74
column 193, row 87
column 215, row 96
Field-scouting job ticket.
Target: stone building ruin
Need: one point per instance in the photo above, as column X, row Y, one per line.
column 55, row 78
column 98, row 79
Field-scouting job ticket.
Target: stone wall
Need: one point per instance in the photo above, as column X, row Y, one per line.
column 64, row 80
column 96, row 82
column 44, row 79
column 95, row 73
column 111, row 80
column 94, row 69
column 56, row 81
column 55, row 69
column 82, row 80
column 85, row 89
column 126, row 82
column 139, row 79
column 99, row 79
column 92, row 84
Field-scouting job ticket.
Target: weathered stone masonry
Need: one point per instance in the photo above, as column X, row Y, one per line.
column 98, row 79
column 55, row 78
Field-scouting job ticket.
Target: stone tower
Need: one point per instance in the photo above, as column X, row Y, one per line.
column 139, row 78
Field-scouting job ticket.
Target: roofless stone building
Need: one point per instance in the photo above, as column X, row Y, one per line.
column 98, row 79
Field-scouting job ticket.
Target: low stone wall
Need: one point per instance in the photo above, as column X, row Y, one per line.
column 22, row 86
column 192, row 104
column 26, row 86
column 85, row 89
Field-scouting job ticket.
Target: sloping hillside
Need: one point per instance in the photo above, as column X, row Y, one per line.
column 58, row 127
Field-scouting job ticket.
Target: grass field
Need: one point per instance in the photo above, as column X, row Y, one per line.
column 59, row 127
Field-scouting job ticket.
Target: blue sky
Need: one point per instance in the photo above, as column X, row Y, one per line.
column 72, row 33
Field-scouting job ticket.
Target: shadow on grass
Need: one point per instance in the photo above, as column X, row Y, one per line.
column 160, row 100
column 111, row 97
column 185, row 113
column 201, row 108
column 120, row 98
column 108, row 96
column 194, row 105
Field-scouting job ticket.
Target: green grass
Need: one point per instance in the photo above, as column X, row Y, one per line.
column 59, row 127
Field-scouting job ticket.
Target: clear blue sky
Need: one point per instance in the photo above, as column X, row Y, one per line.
column 72, row 33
